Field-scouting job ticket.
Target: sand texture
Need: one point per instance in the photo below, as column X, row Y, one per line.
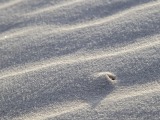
column 79, row 59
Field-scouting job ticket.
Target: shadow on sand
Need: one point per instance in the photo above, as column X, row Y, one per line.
column 90, row 90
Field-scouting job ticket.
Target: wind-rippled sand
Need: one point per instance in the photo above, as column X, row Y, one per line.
column 79, row 59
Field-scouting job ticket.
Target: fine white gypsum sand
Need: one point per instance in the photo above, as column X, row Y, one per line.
column 79, row 59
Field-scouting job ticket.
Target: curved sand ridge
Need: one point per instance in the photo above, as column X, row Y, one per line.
column 87, row 24
column 138, row 47
column 79, row 59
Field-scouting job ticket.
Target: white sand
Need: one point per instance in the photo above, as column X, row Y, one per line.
column 79, row 59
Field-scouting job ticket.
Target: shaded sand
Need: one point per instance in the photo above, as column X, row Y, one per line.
column 79, row 60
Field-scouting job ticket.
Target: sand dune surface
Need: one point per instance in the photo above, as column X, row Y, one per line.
column 79, row 59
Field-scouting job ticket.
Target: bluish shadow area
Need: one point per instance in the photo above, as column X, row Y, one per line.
column 10, row 26
column 148, row 74
column 87, row 13
column 74, row 41
column 137, row 108
column 56, row 46
column 81, row 13
column 88, row 90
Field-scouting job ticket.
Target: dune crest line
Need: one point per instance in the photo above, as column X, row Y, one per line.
column 54, row 7
column 9, row 4
column 126, row 49
column 110, row 18
column 134, row 93
column 88, row 23
column 114, row 98
column 50, row 114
